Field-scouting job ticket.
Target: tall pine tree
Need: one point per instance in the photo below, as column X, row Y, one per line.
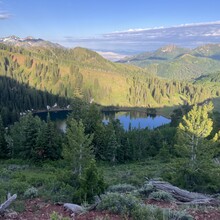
column 77, row 148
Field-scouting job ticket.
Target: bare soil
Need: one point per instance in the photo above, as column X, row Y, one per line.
column 37, row 209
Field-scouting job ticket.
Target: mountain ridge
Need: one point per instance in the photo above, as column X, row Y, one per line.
column 28, row 42
column 85, row 74
column 172, row 61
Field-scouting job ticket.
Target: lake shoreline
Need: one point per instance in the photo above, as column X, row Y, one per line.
column 163, row 111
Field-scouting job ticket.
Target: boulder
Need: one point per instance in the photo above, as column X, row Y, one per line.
column 74, row 208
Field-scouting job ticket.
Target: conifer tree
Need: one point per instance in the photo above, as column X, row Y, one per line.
column 90, row 184
column 4, row 151
column 196, row 151
column 113, row 147
column 49, row 142
column 195, row 126
column 77, row 147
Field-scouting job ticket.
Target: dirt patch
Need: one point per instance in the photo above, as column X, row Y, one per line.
column 37, row 209
column 200, row 213
column 209, row 214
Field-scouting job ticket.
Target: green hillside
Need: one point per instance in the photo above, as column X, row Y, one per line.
column 179, row 63
column 82, row 73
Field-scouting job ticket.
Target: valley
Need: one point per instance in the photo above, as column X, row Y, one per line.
column 97, row 154
column 81, row 73
column 174, row 62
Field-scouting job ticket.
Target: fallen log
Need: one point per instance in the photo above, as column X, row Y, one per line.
column 184, row 196
column 7, row 203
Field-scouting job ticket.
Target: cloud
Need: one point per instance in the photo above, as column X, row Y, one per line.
column 111, row 55
column 4, row 15
column 146, row 39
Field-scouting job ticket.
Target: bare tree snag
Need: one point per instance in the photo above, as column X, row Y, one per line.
column 7, row 203
column 184, row 196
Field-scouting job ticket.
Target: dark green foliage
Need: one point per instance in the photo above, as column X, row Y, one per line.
column 91, row 184
column 77, row 148
column 49, row 145
column 18, row 98
column 24, row 135
column 34, row 140
column 4, row 151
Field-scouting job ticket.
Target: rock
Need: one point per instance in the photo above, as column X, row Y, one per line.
column 11, row 215
column 73, row 207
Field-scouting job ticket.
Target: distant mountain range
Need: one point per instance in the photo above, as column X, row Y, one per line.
column 28, row 42
column 179, row 63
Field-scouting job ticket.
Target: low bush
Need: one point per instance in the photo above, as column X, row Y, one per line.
column 129, row 205
column 121, row 188
column 118, row 203
column 143, row 212
column 146, row 189
column 58, row 192
column 149, row 212
column 18, row 206
column 56, row 216
column 161, row 196
column 31, row 193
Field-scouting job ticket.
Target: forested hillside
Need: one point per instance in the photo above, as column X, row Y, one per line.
column 179, row 63
column 82, row 73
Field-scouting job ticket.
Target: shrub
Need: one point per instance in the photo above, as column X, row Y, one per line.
column 16, row 167
column 179, row 215
column 56, row 216
column 18, row 206
column 90, row 184
column 161, row 196
column 118, row 203
column 131, row 206
column 121, row 188
column 143, row 212
column 149, row 212
column 31, row 193
column 58, row 192
column 146, row 189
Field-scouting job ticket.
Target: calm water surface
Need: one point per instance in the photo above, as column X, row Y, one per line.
column 137, row 119
column 133, row 119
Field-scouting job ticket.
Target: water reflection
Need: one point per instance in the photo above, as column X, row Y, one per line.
column 136, row 119
column 133, row 119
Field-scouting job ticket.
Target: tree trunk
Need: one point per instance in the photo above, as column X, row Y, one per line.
column 5, row 205
column 184, row 196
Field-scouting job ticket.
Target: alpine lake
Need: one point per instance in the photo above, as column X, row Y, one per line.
column 128, row 119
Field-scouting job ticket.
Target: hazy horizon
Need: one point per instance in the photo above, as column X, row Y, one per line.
column 113, row 28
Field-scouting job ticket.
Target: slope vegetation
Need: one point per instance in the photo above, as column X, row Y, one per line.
column 179, row 63
column 82, row 73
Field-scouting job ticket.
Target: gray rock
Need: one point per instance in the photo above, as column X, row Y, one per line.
column 11, row 215
column 73, row 207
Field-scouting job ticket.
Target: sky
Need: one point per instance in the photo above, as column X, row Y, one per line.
column 118, row 26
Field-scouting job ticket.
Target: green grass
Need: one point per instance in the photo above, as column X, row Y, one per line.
column 54, row 183
column 132, row 173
